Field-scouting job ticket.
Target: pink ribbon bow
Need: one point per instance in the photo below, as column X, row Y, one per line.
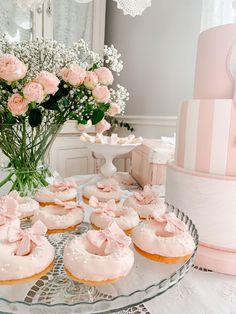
column 8, row 209
column 109, row 240
column 62, row 186
column 27, row 239
column 100, row 208
column 67, row 205
column 173, row 224
column 106, row 187
column 146, row 196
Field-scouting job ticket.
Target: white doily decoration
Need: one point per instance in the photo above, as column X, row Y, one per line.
column 133, row 7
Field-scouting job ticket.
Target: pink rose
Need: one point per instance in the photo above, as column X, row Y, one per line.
column 105, row 76
column 113, row 110
column 91, row 80
column 102, row 126
column 11, row 68
column 101, row 93
column 33, row 92
column 83, row 127
column 74, row 75
column 17, row 105
column 49, row 82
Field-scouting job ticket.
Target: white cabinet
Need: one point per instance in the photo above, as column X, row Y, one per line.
column 68, row 155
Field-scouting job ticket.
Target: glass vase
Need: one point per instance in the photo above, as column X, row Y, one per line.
column 26, row 149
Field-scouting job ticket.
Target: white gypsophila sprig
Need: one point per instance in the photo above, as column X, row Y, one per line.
column 45, row 54
column 112, row 59
column 119, row 96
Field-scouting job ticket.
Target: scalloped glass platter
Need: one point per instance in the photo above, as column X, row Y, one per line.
column 56, row 293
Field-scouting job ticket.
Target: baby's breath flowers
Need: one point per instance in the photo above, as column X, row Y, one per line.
column 42, row 85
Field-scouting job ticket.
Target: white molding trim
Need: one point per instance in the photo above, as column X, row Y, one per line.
column 169, row 121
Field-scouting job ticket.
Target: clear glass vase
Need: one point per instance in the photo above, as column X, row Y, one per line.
column 27, row 151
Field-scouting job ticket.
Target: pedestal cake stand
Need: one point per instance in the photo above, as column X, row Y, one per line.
column 109, row 151
column 56, row 293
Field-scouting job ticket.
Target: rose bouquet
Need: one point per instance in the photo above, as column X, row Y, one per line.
column 42, row 85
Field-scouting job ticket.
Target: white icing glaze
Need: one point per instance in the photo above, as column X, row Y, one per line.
column 55, row 217
column 83, row 261
column 146, row 210
column 126, row 218
column 46, row 195
column 151, row 237
column 19, row 267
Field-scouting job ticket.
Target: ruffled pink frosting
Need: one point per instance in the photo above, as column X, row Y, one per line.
column 102, row 207
column 106, row 187
column 147, row 196
column 9, row 209
column 27, row 239
column 109, row 240
column 27, row 206
column 172, row 224
column 61, row 186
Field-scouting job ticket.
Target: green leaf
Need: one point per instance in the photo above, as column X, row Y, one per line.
column 104, row 106
column 51, row 104
column 35, row 118
column 97, row 116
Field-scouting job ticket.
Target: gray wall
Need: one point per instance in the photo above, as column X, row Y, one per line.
column 159, row 51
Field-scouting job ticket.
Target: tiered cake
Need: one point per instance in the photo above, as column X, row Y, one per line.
column 202, row 180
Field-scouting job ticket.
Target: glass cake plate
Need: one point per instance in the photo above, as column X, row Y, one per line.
column 56, row 293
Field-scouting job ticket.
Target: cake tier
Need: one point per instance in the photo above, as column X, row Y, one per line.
column 206, row 136
column 216, row 62
column 209, row 200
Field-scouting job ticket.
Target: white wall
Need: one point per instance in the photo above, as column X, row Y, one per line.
column 159, row 51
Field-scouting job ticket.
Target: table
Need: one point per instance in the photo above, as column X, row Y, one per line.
column 200, row 292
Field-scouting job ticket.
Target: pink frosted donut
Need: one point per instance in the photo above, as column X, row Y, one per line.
column 62, row 191
column 9, row 215
column 106, row 213
column 164, row 239
column 146, row 203
column 99, row 257
column 103, row 191
column 63, row 216
column 27, row 206
column 25, row 255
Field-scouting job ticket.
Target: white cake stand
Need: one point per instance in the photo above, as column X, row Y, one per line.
column 109, row 152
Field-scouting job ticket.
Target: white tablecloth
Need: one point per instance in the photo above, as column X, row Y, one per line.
column 199, row 292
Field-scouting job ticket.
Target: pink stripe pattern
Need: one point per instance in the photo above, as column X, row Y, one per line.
column 213, row 133
column 204, row 137
column 181, row 135
column 231, row 158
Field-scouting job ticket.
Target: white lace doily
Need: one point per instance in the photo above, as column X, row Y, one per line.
column 131, row 7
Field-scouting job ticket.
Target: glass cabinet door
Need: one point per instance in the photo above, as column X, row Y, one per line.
column 72, row 20
column 15, row 21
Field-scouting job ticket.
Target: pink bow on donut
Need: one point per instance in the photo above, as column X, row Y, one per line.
column 100, row 207
column 146, row 196
column 106, row 187
column 8, row 209
column 27, row 239
column 110, row 239
column 173, row 224
column 62, row 186
column 67, row 205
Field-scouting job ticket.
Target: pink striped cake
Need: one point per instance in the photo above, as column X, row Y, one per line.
column 206, row 136
column 202, row 180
